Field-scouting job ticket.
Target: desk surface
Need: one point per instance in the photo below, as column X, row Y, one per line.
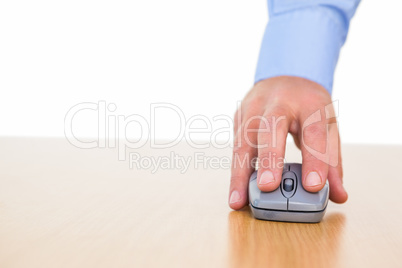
column 61, row 206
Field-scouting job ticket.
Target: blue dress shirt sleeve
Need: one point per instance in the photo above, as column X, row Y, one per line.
column 303, row 38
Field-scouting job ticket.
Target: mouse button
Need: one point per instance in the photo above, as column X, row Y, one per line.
column 271, row 200
column 296, row 168
column 286, row 167
column 253, row 176
column 289, row 183
column 306, row 201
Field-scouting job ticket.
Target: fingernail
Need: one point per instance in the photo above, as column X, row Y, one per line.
column 266, row 177
column 234, row 197
column 313, row 179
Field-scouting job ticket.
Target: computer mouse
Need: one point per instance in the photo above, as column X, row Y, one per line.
column 289, row 202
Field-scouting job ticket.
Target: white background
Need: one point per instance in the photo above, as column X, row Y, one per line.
column 198, row 55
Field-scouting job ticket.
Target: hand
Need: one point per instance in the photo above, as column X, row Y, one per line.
column 273, row 108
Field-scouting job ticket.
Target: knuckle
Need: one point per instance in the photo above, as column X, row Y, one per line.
column 270, row 159
column 234, row 179
column 252, row 122
column 242, row 149
column 311, row 159
column 239, row 150
column 246, row 137
column 268, row 154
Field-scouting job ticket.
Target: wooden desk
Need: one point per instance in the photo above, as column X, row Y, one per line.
column 61, row 206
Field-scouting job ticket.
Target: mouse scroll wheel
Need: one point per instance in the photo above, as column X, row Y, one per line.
column 288, row 185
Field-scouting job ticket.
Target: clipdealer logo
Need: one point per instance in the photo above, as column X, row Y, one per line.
column 112, row 132
column 112, row 128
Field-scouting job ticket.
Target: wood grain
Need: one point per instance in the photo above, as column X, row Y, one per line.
column 61, row 206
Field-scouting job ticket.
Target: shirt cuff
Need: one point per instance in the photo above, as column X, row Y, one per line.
column 305, row 43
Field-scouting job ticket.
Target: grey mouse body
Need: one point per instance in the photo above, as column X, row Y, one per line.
column 290, row 202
